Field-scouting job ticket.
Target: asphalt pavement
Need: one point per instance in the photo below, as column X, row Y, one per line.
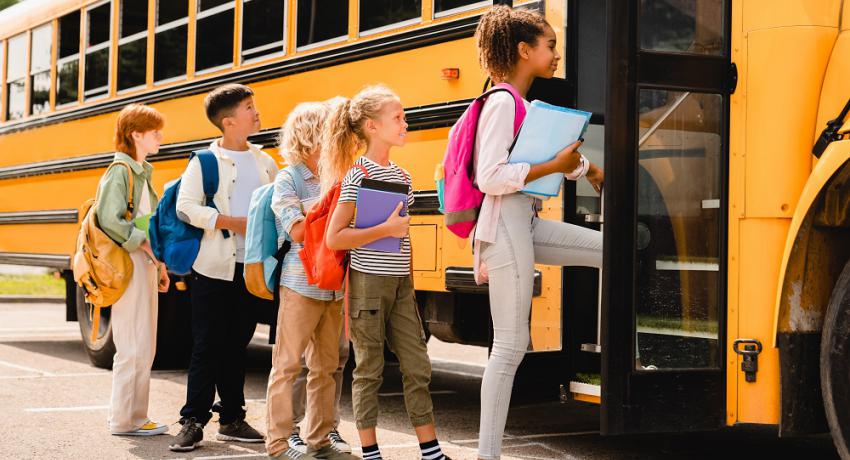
column 55, row 406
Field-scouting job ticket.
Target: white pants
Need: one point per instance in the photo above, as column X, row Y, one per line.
column 521, row 240
column 134, row 333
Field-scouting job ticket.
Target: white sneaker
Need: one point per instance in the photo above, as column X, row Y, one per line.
column 338, row 443
column 148, row 429
column 295, row 442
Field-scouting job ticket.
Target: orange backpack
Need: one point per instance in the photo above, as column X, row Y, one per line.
column 325, row 267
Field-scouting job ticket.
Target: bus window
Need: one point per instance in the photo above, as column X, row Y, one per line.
column 679, row 219
column 315, row 28
column 694, row 26
column 16, row 74
column 214, row 41
column 170, row 40
column 96, row 69
column 41, row 44
column 262, row 28
column 132, row 44
column 377, row 15
column 446, row 7
column 68, row 59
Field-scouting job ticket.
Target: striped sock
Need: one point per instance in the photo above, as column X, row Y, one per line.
column 371, row 452
column 431, row 451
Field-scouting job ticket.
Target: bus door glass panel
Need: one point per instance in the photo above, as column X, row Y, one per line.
column 41, row 52
column 68, row 59
column 16, row 74
column 678, row 229
column 682, row 26
column 321, row 21
column 170, row 40
column 98, row 31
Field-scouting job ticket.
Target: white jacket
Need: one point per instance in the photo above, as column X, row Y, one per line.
column 217, row 256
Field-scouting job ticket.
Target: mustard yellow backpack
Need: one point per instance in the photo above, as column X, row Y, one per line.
column 101, row 267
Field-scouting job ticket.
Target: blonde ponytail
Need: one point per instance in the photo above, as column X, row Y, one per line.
column 344, row 137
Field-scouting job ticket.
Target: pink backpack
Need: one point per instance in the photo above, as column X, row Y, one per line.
column 460, row 198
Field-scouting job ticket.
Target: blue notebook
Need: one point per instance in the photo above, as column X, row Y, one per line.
column 547, row 130
column 376, row 200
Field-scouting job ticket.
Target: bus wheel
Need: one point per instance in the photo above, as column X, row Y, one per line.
column 102, row 349
column 835, row 363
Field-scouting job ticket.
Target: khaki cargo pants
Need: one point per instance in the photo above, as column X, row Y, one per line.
column 383, row 308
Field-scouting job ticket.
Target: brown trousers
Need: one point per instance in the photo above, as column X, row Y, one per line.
column 310, row 328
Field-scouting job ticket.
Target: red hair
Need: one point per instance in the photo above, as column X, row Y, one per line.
column 136, row 118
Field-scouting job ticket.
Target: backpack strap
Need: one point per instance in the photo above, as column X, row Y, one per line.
column 209, row 178
column 519, row 106
column 131, row 207
column 300, row 186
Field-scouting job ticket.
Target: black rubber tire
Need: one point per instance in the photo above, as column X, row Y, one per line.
column 835, row 363
column 102, row 350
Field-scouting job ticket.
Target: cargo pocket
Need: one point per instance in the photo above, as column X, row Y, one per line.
column 367, row 325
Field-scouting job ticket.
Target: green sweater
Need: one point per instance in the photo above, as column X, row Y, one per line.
column 112, row 201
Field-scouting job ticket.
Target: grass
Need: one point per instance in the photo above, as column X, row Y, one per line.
column 35, row 285
column 694, row 325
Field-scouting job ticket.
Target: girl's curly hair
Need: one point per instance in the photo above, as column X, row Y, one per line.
column 499, row 32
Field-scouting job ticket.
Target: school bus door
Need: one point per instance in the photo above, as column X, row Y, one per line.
column 669, row 77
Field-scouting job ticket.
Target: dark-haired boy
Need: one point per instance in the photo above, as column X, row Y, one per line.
column 224, row 313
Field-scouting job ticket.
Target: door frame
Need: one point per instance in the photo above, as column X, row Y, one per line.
column 666, row 400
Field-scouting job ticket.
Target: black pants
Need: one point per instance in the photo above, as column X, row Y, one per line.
column 224, row 316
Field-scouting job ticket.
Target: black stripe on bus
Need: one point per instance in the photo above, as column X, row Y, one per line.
column 425, row 203
column 418, row 118
column 426, row 36
column 55, row 216
column 61, row 261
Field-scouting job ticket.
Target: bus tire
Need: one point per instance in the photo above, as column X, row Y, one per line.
column 835, row 363
column 100, row 351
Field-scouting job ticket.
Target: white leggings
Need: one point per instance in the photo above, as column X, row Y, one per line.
column 521, row 240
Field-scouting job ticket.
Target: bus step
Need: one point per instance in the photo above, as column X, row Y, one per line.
column 591, row 348
column 586, row 392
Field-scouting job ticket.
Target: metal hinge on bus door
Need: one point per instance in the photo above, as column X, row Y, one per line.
column 750, row 357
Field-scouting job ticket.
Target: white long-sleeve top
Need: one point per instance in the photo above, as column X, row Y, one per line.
column 494, row 175
column 217, row 256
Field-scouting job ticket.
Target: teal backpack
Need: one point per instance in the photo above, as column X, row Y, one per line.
column 263, row 257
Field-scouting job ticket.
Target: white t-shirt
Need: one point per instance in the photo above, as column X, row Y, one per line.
column 247, row 180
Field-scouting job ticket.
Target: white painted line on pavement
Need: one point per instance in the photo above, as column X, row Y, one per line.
column 532, row 436
column 53, row 376
column 41, row 329
column 25, row 368
column 66, row 409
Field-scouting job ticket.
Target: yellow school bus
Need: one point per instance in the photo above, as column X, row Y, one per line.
column 725, row 294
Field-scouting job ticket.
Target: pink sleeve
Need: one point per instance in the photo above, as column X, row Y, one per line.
column 494, row 175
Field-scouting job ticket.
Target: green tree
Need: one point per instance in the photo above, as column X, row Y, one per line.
column 7, row 3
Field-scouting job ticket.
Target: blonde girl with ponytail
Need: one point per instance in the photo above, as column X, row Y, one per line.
column 382, row 303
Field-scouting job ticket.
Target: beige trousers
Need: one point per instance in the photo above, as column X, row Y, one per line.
column 134, row 333
column 310, row 328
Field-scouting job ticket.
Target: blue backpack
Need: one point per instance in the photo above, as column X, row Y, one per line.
column 174, row 241
column 263, row 257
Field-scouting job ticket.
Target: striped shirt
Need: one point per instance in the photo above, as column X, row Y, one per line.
column 369, row 260
column 289, row 210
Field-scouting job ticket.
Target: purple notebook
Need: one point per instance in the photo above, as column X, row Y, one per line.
column 376, row 200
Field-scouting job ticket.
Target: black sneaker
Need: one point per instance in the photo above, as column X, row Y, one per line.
column 292, row 454
column 329, row 453
column 338, row 443
column 189, row 437
column 240, row 431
